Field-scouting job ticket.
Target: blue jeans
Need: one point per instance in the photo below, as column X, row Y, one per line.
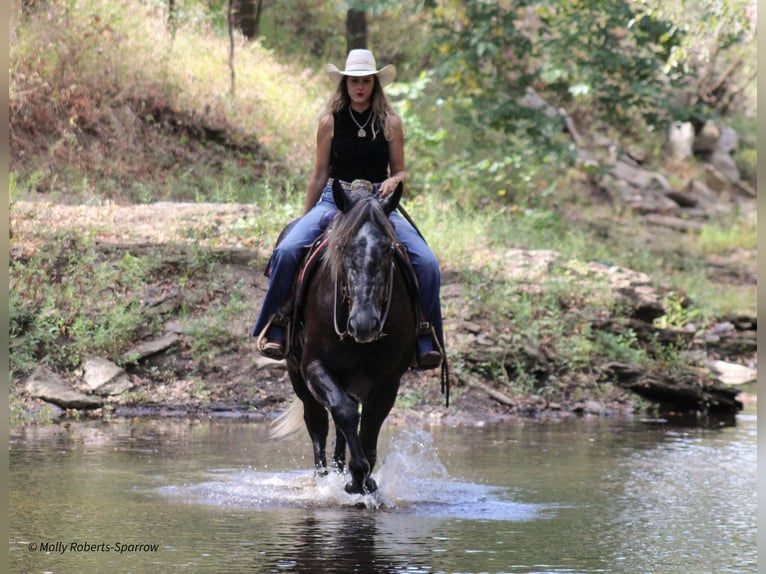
column 287, row 257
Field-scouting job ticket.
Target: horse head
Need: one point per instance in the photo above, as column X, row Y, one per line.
column 362, row 246
column 346, row 198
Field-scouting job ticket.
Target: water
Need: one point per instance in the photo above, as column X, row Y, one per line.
column 578, row 496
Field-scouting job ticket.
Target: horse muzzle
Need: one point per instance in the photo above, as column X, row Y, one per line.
column 364, row 327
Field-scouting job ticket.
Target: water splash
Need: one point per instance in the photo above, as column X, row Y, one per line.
column 411, row 480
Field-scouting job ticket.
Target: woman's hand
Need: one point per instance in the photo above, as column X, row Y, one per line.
column 388, row 187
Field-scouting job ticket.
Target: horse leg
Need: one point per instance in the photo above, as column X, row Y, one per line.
column 315, row 417
column 339, row 454
column 345, row 412
column 374, row 413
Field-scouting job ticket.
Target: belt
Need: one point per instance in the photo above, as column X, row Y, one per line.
column 356, row 184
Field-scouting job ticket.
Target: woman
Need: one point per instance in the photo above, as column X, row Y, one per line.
column 359, row 137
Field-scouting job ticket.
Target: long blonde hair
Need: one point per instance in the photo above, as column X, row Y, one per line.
column 381, row 109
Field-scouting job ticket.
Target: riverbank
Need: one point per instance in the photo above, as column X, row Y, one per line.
column 191, row 278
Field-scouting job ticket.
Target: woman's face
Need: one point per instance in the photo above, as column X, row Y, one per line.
column 360, row 89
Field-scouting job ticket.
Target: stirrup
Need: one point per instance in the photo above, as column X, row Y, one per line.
column 272, row 348
column 430, row 359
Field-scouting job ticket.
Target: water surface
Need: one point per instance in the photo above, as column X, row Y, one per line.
column 575, row 496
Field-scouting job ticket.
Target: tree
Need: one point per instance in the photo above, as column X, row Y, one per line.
column 717, row 55
column 248, row 17
column 604, row 58
column 356, row 28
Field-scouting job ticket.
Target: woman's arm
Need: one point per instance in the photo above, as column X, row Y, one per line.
column 395, row 157
column 321, row 172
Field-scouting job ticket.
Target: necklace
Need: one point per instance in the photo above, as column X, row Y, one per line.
column 361, row 133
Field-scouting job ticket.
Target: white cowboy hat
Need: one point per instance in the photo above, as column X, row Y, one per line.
column 362, row 63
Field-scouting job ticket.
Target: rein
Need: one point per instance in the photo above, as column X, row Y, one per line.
column 387, row 299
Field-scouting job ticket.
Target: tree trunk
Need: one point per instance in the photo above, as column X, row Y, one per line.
column 172, row 17
column 230, row 18
column 257, row 19
column 248, row 15
column 356, row 29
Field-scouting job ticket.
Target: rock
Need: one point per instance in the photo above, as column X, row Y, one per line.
column 705, row 197
column 636, row 153
column 681, row 140
column 745, row 189
column 728, row 140
column 46, row 385
column 639, row 177
column 725, row 165
column 635, row 287
column 671, row 222
column 104, row 378
column 530, row 265
column 732, row 373
column 148, row 348
column 682, row 198
column 644, row 190
column 715, row 180
column 707, row 140
column 592, row 407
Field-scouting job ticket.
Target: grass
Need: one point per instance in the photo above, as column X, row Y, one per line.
column 65, row 301
column 87, row 71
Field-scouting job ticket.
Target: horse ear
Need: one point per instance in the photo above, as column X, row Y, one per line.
column 390, row 202
column 341, row 196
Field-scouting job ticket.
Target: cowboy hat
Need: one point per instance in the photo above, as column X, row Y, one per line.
column 362, row 63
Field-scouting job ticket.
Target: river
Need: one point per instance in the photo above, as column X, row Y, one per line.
column 585, row 495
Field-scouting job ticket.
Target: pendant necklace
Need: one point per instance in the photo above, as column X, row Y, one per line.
column 361, row 133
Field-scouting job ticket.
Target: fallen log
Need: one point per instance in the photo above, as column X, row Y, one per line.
column 681, row 395
column 501, row 398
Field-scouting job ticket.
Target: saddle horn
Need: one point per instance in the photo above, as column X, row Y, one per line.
column 346, row 199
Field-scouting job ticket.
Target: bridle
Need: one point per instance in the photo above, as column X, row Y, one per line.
column 341, row 288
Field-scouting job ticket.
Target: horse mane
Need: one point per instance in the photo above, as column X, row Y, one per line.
column 346, row 226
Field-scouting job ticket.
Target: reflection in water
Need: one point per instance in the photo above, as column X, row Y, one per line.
column 334, row 541
column 575, row 496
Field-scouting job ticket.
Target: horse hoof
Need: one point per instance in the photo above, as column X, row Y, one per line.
column 369, row 487
column 353, row 488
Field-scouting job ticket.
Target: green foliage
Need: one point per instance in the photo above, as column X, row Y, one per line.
column 607, row 56
column 64, row 302
column 679, row 313
column 621, row 347
column 727, row 235
column 717, row 54
column 212, row 334
column 298, row 29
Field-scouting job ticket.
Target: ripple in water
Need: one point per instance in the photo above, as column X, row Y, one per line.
column 411, row 479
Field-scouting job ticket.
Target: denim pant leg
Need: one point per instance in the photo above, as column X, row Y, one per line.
column 286, row 259
column 426, row 269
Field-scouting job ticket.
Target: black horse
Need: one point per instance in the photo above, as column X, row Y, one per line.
column 355, row 339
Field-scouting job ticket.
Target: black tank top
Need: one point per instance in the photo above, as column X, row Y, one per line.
column 353, row 157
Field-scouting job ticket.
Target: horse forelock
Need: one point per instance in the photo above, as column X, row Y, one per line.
column 346, row 228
